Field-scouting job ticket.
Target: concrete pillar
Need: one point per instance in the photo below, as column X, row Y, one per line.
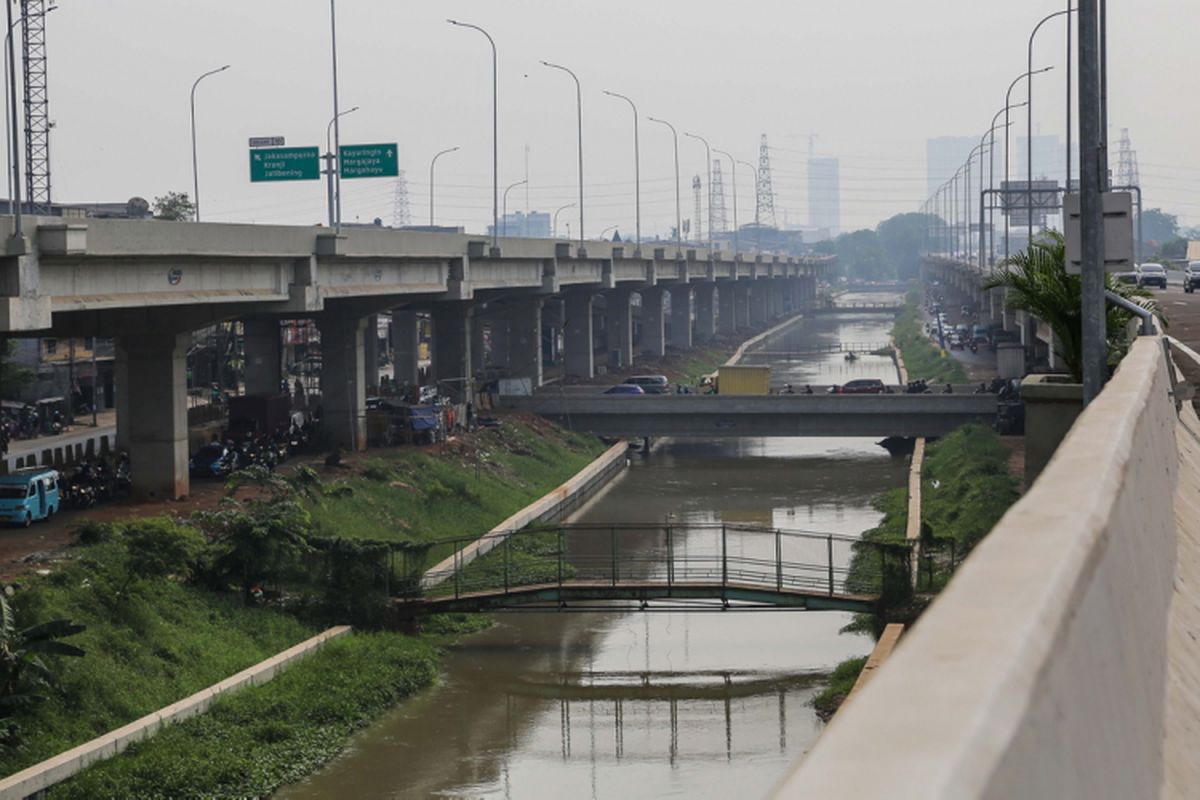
column 681, row 316
column 705, row 310
column 741, row 304
column 654, row 337
column 343, row 384
column 405, row 341
column 452, row 338
column 525, row 339
column 726, row 317
column 371, row 353
column 759, row 303
column 497, row 354
column 478, row 355
column 264, row 355
column 121, row 390
column 619, row 322
column 578, row 340
column 775, row 297
column 153, row 382
column 797, row 294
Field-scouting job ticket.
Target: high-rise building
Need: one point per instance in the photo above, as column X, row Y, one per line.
column 1049, row 158
column 943, row 156
column 824, row 194
column 534, row 225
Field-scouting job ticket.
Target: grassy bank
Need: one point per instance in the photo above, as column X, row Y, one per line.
column 841, row 681
column 922, row 358
column 251, row 743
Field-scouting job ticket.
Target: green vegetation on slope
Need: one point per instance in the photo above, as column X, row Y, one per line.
column 841, row 681
column 922, row 358
column 254, row 741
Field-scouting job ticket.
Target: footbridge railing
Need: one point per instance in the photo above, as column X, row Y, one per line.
column 742, row 566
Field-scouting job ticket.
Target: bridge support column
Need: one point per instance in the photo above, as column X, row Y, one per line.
column 264, row 355
column 371, row 354
column 681, row 316
column 478, row 354
column 405, row 342
column 741, row 304
column 775, row 297
column 759, row 303
column 706, row 319
column 452, row 323
column 797, row 294
column 619, row 326
column 653, row 328
column 152, row 417
column 525, row 339
column 343, row 383
column 578, row 341
column 497, row 351
column 726, row 317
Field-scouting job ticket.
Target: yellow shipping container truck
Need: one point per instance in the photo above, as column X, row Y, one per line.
column 744, row 380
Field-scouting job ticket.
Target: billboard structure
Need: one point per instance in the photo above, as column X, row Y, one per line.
column 1019, row 199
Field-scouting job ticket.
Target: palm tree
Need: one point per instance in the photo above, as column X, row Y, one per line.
column 1037, row 282
column 23, row 674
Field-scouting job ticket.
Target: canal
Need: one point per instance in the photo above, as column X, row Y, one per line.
column 629, row 704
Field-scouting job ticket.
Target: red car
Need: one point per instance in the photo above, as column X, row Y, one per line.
column 862, row 386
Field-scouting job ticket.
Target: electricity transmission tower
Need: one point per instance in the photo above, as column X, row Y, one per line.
column 719, row 223
column 37, row 107
column 764, row 208
column 401, row 211
column 1127, row 165
column 696, row 190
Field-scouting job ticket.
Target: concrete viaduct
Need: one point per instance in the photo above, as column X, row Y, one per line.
column 150, row 283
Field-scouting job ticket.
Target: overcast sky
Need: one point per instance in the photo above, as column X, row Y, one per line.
column 871, row 79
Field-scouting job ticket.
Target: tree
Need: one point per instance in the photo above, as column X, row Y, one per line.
column 1158, row 226
column 12, row 376
column 902, row 238
column 174, row 206
column 24, row 677
column 862, row 257
column 1037, row 282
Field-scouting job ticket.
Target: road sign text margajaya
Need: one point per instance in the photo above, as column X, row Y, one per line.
column 368, row 161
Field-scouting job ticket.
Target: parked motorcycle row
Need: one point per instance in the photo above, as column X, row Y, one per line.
column 95, row 481
column 218, row 459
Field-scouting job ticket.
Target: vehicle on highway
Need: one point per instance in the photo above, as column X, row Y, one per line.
column 979, row 334
column 1152, row 275
column 955, row 341
column 862, row 386
column 29, row 495
column 625, row 388
column 1191, row 276
column 651, row 384
column 213, row 460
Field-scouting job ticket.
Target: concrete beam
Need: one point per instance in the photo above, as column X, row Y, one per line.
column 524, row 334
column 726, row 316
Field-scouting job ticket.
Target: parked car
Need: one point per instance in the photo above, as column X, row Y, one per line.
column 625, row 388
column 862, row 386
column 1191, row 276
column 29, row 495
column 650, row 384
column 213, row 460
column 1152, row 275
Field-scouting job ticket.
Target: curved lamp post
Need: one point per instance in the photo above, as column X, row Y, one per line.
column 579, row 111
column 1007, row 103
column 708, row 159
column 334, row 196
column 511, row 186
column 561, row 208
column 637, row 167
column 678, row 214
column 432, row 162
column 495, row 134
column 1029, row 113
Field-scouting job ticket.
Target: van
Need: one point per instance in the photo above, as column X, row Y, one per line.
column 29, row 495
column 651, row 384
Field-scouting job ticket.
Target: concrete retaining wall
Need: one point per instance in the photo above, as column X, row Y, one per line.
column 552, row 507
column 741, row 351
column 58, row 769
column 1042, row 670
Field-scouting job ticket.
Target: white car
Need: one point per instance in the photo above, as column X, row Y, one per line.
column 1152, row 275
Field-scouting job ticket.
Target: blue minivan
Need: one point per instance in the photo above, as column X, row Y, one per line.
column 29, row 495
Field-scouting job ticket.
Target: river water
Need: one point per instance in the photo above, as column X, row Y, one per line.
column 644, row 705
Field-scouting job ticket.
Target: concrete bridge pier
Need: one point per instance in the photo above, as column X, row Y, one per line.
column 578, row 338
column 619, row 326
column 653, row 323
column 151, row 373
column 704, row 306
column 759, row 303
column 343, row 380
column 681, row 316
column 264, row 355
column 480, row 325
column 726, row 317
column 405, row 342
column 775, row 296
column 524, row 339
column 452, row 323
column 371, row 353
column 741, row 306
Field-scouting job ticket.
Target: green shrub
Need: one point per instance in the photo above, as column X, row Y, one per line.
column 841, row 681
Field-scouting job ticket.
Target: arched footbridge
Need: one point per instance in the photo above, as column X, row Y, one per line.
column 657, row 567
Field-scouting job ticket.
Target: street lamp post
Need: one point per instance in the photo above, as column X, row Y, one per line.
column 1029, row 112
column 757, row 227
column 637, row 167
column 708, row 160
column 1008, row 104
column 195, row 168
column 431, row 165
column 733, row 169
column 333, row 201
column 511, row 186
column 579, row 112
column 606, row 230
column 561, row 208
column 495, row 134
column 992, row 177
column 337, row 132
column 678, row 214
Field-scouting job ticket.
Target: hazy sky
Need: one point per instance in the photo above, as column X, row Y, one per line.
column 872, row 80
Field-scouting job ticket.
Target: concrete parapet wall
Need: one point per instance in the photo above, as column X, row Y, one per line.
column 61, row 767
column 1042, row 670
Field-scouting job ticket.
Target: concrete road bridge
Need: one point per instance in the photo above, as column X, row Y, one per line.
column 150, row 284
column 656, row 566
column 708, row 416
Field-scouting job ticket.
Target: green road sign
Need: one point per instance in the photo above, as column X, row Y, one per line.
column 285, row 164
column 369, row 161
